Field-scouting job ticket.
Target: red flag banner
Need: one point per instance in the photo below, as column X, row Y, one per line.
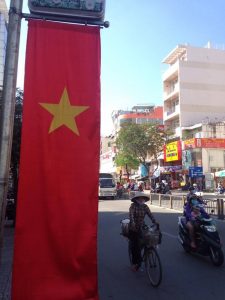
column 55, row 255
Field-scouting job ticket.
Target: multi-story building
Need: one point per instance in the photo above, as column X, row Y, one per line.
column 107, row 155
column 204, row 151
column 193, row 87
column 140, row 114
column 194, row 109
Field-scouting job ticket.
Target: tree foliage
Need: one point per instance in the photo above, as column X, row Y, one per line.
column 126, row 160
column 17, row 128
column 15, row 153
column 137, row 140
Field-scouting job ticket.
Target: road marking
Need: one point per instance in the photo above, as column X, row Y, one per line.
column 169, row 234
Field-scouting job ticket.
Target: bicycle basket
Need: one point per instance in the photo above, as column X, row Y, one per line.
column 151, row 237
column 125, row 227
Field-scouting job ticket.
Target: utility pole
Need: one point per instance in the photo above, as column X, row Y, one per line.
column 8, row 105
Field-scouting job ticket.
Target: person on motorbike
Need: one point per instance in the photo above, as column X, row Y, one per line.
column 192, row 191
column 166, row 189
column 137, row 212
column 220, row 188
column 193, row 210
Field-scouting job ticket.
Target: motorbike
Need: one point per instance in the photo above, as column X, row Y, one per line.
column 161, row 189
column 219, row 191
column 166, row 191
column 207, row 239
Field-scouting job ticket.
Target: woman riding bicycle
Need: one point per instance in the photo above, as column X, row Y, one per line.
column 137, row 212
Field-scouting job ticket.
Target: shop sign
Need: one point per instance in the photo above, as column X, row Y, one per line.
column 186, row 159
column 189, row 144
column 172, row 151
column 210, row 143
column 203, row 143
column 169, row 169
column 195, row 172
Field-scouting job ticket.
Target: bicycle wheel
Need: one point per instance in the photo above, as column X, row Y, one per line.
column 153, row 267
column 129, row 252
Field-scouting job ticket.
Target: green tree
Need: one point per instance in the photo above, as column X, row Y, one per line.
column 137, row 140
column 15, row 154
column 127, row 161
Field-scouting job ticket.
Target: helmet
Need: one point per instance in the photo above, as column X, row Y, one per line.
column 193, row 196
column 140, row 195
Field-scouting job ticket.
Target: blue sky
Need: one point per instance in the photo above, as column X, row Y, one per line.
column 140, row 36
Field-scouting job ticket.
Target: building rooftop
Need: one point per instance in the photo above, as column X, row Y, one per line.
column 176, row 53
column 143, row 107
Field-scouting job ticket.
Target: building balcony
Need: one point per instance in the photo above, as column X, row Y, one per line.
column 171, row 72
column 170, row 89
column 174, row 132
column 172, row 114
column 171, row 94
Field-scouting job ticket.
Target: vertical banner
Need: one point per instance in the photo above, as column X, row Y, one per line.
column 55, row 255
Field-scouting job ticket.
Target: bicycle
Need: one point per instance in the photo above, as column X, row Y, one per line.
column 151, row 237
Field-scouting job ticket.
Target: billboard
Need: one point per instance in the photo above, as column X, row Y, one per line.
column 82, row 9
column 172, row 151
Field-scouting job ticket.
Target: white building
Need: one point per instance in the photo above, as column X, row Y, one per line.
column 3, row 38
column 107, row 164
column 107, row 155
column 193, row 87
column 194, row 109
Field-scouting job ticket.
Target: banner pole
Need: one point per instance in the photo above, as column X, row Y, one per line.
column 8, row 105
column 66, row 19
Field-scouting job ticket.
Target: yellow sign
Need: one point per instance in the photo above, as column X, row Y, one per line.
column 172, row 151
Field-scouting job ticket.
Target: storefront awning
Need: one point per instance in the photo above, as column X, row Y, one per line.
column 220, row 173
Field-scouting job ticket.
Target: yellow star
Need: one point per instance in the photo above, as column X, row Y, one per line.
column 64, row 113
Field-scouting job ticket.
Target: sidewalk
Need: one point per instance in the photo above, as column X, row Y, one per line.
column 6, row 263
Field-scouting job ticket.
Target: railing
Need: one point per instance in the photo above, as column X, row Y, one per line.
column 214, row 207
column 168, row 201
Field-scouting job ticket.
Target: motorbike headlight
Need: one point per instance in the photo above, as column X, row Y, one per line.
column 211, row 228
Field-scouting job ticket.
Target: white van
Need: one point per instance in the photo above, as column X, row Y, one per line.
column 107, row 186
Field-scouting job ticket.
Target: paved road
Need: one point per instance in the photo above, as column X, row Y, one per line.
column 185, row 276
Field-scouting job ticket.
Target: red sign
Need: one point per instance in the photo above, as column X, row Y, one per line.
column 189, row 144
column 204, row 143
column 210, row 143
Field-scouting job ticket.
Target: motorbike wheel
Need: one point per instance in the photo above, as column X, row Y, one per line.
column 216, row 256
column 184, row 245
column 129, row 252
